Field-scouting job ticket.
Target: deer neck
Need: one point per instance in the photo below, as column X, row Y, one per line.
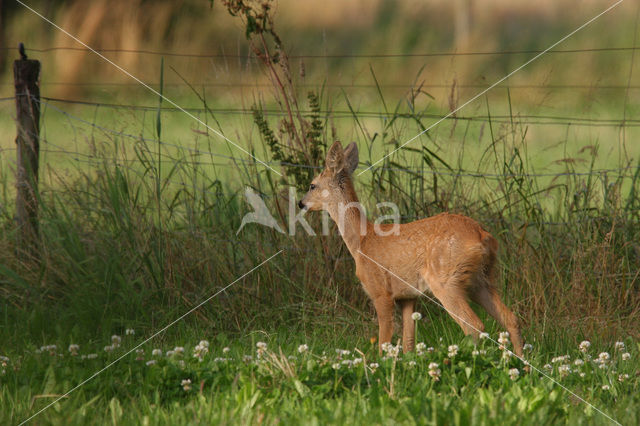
column 350, row 217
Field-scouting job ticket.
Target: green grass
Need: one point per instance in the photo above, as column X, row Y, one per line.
column 135, row 232
column 236, row 382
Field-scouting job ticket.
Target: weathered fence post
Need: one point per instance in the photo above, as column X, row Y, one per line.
column 26, row 74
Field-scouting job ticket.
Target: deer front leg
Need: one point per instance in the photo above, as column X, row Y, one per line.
column 384, row 309
column 408, row 324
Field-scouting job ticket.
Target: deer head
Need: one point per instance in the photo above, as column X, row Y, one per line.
column 333, row 185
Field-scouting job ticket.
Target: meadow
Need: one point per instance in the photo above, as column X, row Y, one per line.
column 142, row 277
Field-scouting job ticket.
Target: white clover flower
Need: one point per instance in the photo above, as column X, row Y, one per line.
column 619, row 346
column 186, row 384
column 475, row 352
column 156, row 352
column 430, row 349
column 391, row 350
column 261, row 345
column 394, row 351
column 201, row 350
column 49, row 348
column 357, row 361
column 626, row 356
column 435, row 374
column 226, row 350
column 484, row 335
column 507, row 354
column 109, row 348
column 514, row 373
column 347, row 362
column 139, row 354
column 115, row 340
column 303, row 348
column 623, row 377
column 564, row 369
column 584, row 346
column 548, row 367
column 342, row 352
column 412, row 364
column 582, row 374
column 170, row 353
column 560, row 359
column 420, row 347
column 178, row 350
column 151, row 362
column 73, row 349
column 527, row 347
column 453, row 350
column 434, row 371
column 578, row 362
column 503, row 339
column 336, row 366
column 416, row 316
column 374, row 366
column 604, row 356
column 247, row 358
column 129, row 332
column 92, row 356
column 605, row 387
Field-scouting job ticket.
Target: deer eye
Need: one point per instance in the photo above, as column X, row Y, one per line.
column 312, row 187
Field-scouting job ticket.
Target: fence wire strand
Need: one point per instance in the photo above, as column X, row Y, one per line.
column 249, row 54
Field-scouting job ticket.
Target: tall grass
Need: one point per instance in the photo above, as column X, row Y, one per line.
column 126, row 241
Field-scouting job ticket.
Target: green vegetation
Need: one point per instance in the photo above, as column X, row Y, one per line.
column 282, row 380
column 140, row 208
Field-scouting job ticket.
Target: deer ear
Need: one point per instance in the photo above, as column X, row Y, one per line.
column 335, row 158
column 351, row 157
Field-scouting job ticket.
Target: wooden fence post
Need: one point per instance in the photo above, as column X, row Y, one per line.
column 26, row 73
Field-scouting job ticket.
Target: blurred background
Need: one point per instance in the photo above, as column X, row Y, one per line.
column 360, row 51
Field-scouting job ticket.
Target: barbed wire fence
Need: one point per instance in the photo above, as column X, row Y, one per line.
column 324, row 56
column 522, row 119
column 221, row 160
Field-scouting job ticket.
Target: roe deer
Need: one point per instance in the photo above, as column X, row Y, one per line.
column 449, row 255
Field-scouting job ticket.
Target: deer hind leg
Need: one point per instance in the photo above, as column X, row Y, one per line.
column 453, row 297
column 408, row 325
column 384, row 308
column 487, row 296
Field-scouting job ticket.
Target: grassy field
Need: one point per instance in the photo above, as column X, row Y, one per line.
column 139, row 212
column 275, row 378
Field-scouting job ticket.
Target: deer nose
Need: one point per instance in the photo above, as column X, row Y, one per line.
column 301, row 204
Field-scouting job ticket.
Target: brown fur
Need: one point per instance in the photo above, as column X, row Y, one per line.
column 448, row 255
